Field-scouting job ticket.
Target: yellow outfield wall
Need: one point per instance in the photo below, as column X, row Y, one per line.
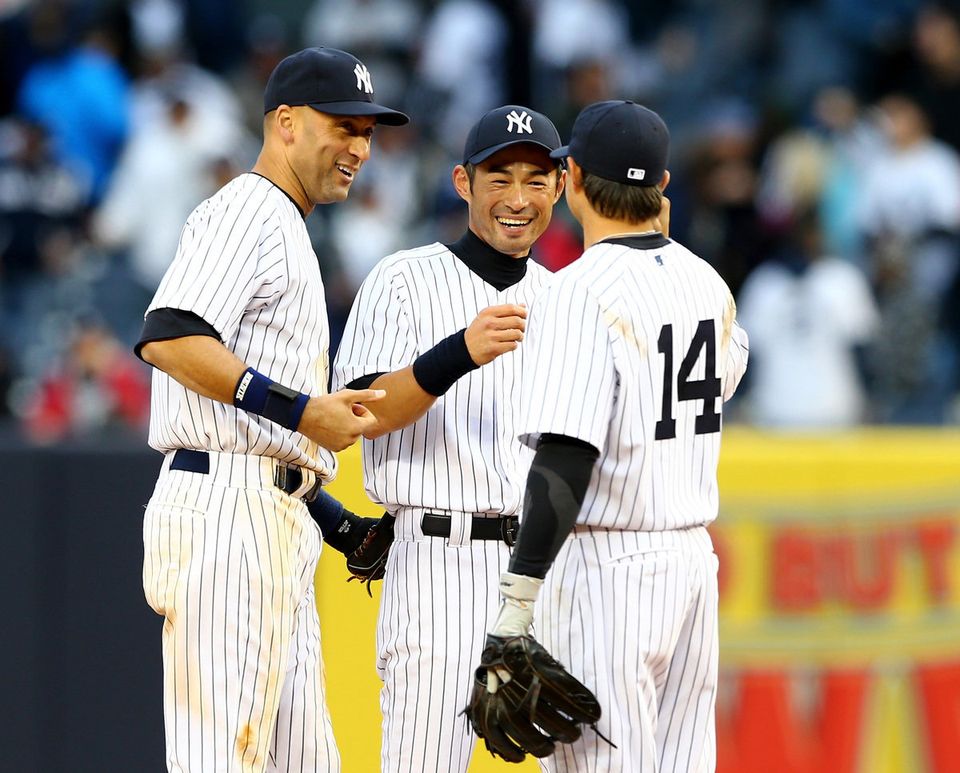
column 840, row 608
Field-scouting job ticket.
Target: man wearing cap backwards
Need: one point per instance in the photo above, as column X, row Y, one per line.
column 238, row 334
column 630, row 354
column 439, row 328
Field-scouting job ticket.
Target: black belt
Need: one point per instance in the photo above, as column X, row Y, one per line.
column 504, row 527
column 287, row 479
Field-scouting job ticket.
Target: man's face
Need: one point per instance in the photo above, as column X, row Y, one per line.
column 329, row 151
column 512, row 197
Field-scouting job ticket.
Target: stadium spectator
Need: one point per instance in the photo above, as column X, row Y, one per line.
column 80, row 96
column 97, row 385
column 810, row 317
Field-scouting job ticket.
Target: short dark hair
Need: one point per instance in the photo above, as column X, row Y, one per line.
column 630, row 203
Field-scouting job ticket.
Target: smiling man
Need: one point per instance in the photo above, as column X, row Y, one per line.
column 423, row 324
column 238, row 334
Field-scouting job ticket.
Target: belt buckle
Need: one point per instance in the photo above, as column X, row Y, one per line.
column 509, row 527
column 287, row 479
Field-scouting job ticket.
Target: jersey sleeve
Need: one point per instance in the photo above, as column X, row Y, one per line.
column 736, row 349
column 230, row 260
column 569, row 375
column 379, row 336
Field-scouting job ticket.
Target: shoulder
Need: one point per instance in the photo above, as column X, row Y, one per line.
column 599, row 262
column 404, row 269
column 423, row 254
column 427, row 257
column 697, row 266
column 575, row 280
column 247, row 195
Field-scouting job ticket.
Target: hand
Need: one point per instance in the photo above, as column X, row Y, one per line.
column 519, row 593
column 495, row 331
column 337, row 420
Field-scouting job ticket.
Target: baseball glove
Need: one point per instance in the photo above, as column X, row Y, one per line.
column 369, row 561
column 536, row 702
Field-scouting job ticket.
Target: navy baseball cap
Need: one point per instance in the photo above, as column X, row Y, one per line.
column 506, row 126
column 328, row 80
column 620, row 141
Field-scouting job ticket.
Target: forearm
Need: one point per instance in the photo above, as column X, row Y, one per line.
column 405, row 401
column 342, row 529
column 556, row 487
column 201, row 363
column 412, row 390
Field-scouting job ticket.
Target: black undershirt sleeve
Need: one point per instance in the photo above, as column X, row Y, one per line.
column 556, row 487
column 164, row 324
column 364, row 382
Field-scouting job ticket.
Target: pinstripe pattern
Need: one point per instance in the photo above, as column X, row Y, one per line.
column 229, row 563
column 624, row 340
column 633, row 615
column 436, row 607
column 593, row 348
column 462, row 457
column 463, row 454
column 245, row 264
column 229, row 560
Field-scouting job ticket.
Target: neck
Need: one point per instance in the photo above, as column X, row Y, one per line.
column 596, row 228
column 282, row 176
column 493, row 267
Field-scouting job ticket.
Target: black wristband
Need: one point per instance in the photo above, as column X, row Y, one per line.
column 349, row 532
column 438, row 368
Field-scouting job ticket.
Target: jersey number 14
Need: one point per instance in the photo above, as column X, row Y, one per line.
column 707, row 389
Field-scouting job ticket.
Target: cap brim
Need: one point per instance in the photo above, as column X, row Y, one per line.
column 562, row 152
column 483, row 155
column 383, row 114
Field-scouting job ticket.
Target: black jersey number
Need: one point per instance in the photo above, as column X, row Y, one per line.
column 707, row 389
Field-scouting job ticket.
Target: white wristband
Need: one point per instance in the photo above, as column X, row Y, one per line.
column 519, row 594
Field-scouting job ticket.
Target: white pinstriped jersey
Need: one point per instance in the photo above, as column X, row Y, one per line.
column 245, row 264
column 633, row 350
column 462, row 454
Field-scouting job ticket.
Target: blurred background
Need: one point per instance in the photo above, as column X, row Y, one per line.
column 814, row 163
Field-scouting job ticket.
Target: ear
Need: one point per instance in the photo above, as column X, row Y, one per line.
column 561, row 182
column 665, row 181
column 575, row 174
column 461, row 182
column 285, row 122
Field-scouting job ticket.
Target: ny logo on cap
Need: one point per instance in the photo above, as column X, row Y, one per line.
column 636, row 174
column 363, row 78
column 521, row 121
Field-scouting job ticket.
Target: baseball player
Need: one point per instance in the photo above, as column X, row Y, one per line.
column 422, row 323
column 238, row 333
column 630, row 354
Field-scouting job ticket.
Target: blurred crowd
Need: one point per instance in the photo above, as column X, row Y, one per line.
column 815, row 164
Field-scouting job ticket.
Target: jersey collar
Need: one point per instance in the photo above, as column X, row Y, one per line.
column 302, row 213
column 493, row 267
column 651, row 241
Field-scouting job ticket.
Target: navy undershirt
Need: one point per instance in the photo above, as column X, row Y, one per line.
column 493, row 267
